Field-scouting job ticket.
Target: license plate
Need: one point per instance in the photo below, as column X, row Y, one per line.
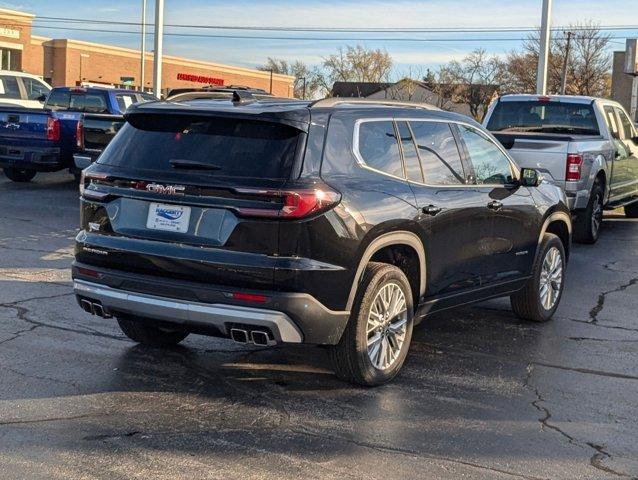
column 173, row 218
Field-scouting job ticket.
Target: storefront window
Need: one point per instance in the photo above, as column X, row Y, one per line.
column 10, row 59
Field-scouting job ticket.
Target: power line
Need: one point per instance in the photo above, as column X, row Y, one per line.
column 291, row 38
column 345, row 29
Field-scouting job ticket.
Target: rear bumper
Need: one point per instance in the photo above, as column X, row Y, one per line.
column 40, row 159
column 209, row 309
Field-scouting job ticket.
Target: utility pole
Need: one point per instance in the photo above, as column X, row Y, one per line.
column 563, row 83
column 304, row 89
column 143, row 48
column 271, row 80
column 157, row 60
column 543, row 54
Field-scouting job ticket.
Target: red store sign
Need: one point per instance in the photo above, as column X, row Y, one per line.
column 187, row 77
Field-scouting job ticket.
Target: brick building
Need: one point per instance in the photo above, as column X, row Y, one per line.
column 68, row 62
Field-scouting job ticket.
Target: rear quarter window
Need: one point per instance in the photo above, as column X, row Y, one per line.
column 229, row 147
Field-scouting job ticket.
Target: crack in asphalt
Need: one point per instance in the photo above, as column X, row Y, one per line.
column 597, row 458
column 611, row 327
column 52, row 419
column 594, row 312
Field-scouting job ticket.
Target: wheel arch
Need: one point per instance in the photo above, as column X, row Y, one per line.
column 560, row 224
column 403, row 238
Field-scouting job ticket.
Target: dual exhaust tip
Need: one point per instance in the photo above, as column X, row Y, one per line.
column 258, row 337
column 94, row 308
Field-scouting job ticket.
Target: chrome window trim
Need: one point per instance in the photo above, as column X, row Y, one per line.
column 361, row 162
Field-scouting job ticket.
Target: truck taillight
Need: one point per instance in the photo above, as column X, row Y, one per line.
column 53, row 129
column 574, row 167
column 296, row 203
column 79, row 135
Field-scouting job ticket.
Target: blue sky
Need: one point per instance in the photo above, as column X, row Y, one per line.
column 311, row 47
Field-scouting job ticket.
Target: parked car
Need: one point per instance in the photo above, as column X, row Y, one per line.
column 44, row 140
column 22, row 89
column 94, row 132
column 339, row 223
column 588, row 145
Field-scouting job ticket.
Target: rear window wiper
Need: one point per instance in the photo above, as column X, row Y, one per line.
column 193, row 165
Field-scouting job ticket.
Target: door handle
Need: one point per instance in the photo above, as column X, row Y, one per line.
column 431, row 210
column 495, row 205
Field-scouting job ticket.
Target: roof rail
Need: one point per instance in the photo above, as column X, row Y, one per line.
column 336, row 101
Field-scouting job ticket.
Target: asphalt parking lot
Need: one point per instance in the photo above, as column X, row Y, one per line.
column 482, row 395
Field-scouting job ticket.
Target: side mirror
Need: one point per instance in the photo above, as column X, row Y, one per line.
column 529, row 177
column 42, row 98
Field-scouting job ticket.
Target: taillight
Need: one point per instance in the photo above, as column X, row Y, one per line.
column 53, row 129
column 249, row 297
column 79, row 135
column 574, row 167
column 85, row 181
column 296, row 203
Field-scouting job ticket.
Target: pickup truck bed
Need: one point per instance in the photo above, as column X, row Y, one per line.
column 94, row 133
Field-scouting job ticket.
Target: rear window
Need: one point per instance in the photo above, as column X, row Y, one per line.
column 545, row 117
column 228, row 147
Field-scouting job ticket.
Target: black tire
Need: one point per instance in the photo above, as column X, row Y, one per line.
column 527, row 303
column 589, row 221
column 631, row 211
column 19, row 174
column 350, row 358
column 146, row 334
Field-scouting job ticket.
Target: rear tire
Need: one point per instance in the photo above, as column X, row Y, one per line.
column 530, row 303
column 587, row 225
column 631, row 211
column 20, row 175
column 146, row 334
column 375, row 343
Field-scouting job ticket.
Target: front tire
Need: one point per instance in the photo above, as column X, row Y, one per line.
column 19, row 175
column 375, row 343
column 631, row 211
column 538, row 301
column 141, row 332
column 587, row 225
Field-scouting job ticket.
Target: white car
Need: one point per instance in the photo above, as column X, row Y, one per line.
column 23, row 89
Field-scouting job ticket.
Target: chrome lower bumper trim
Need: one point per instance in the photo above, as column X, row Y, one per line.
column 184, row 312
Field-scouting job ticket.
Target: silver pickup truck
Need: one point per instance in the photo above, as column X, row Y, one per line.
column 587, row 146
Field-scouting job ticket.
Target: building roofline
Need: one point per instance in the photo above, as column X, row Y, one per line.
column 6, row 12
column 130, row 52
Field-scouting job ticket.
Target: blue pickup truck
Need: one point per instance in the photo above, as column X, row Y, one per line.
column 36, row 140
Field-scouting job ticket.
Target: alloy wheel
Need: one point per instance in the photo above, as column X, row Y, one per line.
column 551, row 280
column 386, row 327
column 596, row 215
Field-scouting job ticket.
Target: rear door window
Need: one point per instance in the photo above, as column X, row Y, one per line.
column 34, row 88
column 610, row 120
column 628, row 131
column 222, row 147
column 125, row 100
column 410, row 156
column 9, row 87
column 439, row 153
column 491, row 165
column 378, row 147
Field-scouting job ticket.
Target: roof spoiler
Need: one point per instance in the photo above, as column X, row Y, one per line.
column 242, row 98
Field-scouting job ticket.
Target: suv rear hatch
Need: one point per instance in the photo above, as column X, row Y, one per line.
column 192, row 196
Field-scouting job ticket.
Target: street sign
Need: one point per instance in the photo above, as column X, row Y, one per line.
column 127, row 80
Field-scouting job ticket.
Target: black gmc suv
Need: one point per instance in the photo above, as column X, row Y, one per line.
column 338, row 222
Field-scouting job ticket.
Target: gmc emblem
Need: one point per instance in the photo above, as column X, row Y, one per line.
column 165, row 189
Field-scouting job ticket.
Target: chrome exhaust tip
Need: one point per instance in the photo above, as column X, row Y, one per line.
column 260, row 338
column 239, row 335
column 86, row 306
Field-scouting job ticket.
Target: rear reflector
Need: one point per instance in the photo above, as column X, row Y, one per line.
column 53, row 129
column 574, row 167
column 249, row 297
column 88, row 272
column 296, row 203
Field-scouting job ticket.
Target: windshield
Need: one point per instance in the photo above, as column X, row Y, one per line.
column 206, row 146
column 546, row 117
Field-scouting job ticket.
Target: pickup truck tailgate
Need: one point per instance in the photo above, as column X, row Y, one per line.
column 23, row 124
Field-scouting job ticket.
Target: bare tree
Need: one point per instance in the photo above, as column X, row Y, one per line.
column 354, row 64
column 588, row 65
column 306, row 83
column 442, row 85
column 477, row 77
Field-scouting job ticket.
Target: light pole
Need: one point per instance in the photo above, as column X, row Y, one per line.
column 157, row 60
column 543, row 53
column 82, row 56
column 563, row 83
column 143, row 48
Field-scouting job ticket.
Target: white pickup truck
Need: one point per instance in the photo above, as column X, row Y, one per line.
column 587, row 146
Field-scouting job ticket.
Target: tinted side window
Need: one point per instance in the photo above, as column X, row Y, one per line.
column 627, row 128
column 94, row 103
column 378, row 147
column 610, row 120
column 125, row 100
column 491, row 166
column 9, row 87
column 439, row 153
column 410, row 156
column 34, row 88
column 58, row 99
